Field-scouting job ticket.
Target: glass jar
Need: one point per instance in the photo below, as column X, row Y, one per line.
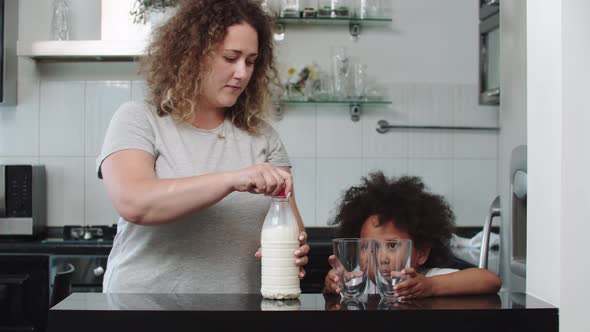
column 289, row 8
column 341, row 8
column 59, row 20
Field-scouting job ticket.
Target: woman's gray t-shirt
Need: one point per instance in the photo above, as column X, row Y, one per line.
column 211, row 251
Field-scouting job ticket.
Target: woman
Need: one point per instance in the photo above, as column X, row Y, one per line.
column 192, row 170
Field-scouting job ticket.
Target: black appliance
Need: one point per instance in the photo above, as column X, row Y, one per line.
column 88, row 271
column 23, row 203
column 24, row 292
column 93, row 243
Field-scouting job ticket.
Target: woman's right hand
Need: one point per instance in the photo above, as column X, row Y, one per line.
column 264, row 179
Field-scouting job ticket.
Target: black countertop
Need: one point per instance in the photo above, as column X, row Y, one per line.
column 175, row 312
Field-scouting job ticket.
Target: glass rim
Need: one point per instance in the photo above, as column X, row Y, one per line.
column 349, row 239
column 353, row 239
column 397, row 240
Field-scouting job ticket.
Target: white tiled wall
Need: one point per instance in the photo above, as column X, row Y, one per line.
column 426, row 63
column 461, row 165
column 329, row 151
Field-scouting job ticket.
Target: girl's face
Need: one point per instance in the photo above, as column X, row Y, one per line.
column 231, row 68
column 388, row 231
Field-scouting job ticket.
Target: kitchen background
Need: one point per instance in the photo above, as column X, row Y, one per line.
column 425, row 61
column 543, row 73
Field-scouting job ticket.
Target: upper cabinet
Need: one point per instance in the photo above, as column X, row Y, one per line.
column 489, row 52
column 89, row 50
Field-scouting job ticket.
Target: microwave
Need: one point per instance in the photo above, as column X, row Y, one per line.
column 23, row 200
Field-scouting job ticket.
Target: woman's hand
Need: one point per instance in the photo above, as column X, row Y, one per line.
column 262, row 178
column 301, row 258
column 417, row 286
column 300, row 253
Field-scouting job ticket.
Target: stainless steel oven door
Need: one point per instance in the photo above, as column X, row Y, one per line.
column 88, row 274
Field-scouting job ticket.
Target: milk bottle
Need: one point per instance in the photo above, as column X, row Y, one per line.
column 279, row 240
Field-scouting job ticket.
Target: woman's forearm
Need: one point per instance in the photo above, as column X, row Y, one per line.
column 141, row 197
column 160, row 201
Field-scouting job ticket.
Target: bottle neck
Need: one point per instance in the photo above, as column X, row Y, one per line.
column 280, row 200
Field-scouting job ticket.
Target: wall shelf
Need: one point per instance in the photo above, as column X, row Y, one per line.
column 82, row 50
column 353, row 105
column 354, row 23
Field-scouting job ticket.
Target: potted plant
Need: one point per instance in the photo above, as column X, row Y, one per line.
column 142, row 8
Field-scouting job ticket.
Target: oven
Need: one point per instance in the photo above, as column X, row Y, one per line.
column 88, row 271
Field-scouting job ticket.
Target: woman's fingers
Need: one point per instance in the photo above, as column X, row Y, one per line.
column 264, row 179
column 302, row 251
column 301, row 273
column 301, row 261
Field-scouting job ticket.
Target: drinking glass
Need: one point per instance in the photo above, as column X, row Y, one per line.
column 390, row 258
column 352, row 265
column 360, row 80
column 341, row 71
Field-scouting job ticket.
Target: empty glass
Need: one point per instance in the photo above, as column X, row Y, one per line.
column 341, row 71
column 352, row 264
column 360, row 80
column 60, row 20
column 390, row 258
column 368, row 9
column 290, row 8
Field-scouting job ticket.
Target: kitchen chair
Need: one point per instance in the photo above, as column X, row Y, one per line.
column 487, row 226
column 62, row 284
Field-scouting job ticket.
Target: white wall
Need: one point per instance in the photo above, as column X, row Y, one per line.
column 558, row 135
column 426, row 62
column 575, row 290
column 545, row 137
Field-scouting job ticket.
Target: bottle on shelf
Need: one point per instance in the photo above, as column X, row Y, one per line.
column 279, row 240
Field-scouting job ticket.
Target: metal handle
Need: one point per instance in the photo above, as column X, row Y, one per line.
column 492, row 93
column 487, row 226
column 383, row 126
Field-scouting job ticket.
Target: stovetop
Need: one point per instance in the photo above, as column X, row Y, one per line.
column 94, row 233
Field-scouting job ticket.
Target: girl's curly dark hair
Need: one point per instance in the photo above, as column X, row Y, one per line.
column 175, row 64
column 425, row 216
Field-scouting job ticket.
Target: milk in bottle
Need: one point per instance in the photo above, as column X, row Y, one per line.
column 279, row 240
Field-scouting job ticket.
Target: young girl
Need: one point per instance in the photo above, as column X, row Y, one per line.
column 391, row 209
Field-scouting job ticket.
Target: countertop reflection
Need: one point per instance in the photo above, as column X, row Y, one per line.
column 306, row 302
column 311, row 312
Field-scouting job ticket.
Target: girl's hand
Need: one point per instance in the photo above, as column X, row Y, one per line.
column 331, row 283
column 417, row 286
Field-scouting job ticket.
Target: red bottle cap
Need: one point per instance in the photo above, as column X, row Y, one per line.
column 282, row 192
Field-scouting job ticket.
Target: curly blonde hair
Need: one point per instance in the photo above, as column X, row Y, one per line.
column 175, row 64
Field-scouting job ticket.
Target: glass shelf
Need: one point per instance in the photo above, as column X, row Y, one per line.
column 354, row 23
column 353, row 104
column 329, row 20
column 332, row 101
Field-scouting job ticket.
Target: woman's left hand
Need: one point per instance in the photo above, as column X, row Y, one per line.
column 300, row 253
column 301, row 258
column 417, row 286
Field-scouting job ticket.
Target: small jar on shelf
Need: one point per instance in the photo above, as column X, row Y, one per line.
column 289, row 8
